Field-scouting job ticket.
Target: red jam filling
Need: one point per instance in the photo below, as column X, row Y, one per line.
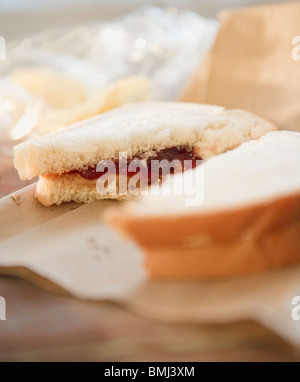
column 175, row 153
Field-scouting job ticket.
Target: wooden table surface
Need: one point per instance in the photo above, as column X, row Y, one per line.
column 42, row 326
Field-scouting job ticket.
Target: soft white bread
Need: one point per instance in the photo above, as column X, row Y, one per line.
column 140, row 128
column 249, row 221
column 56, row 189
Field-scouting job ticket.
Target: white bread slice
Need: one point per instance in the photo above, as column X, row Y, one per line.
column 138, row 128
column 56, row 189
column 249, row 221
column 255, row 172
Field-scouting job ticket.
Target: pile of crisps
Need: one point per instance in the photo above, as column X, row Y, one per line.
column 55, row 100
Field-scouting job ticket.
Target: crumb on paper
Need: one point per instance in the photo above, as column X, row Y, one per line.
column 73, row 208
column 17, row 199
column 92, row 242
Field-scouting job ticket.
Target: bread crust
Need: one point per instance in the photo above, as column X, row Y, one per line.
column 229, row 243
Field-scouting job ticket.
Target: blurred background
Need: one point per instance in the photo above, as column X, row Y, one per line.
column 21, row 17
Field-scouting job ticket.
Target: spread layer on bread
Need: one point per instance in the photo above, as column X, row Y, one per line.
column 181, row 157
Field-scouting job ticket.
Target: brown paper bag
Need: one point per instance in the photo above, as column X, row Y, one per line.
column 254, row 64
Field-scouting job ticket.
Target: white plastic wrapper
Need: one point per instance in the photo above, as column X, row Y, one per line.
column 165, row 45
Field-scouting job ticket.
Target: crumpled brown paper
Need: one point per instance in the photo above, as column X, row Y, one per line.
column 254, row 64
column 70, row 248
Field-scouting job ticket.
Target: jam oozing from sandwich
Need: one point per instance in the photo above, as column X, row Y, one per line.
column 153, row 164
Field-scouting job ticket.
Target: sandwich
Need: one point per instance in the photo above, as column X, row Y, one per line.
column 67, row 161
column 248, row 222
